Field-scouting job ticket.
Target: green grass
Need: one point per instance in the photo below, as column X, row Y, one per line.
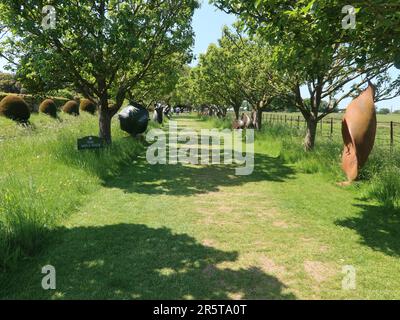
column 378, row 179
column 215, row 123
column 44, row 178
column 287, row 140
column 385, row 187
column 187, row 232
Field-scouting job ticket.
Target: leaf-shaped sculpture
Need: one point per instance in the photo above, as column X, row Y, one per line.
column 246, row 121
column 359, row 131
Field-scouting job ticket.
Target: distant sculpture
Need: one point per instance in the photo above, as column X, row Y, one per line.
column 167, row 111
column 359, row 131
column 237, row 124
column 243, row 123
column 253, row 118
column 158, row 113
column 246, row 121
column 134, row 119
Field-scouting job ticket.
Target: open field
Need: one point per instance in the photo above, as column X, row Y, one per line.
column 381, row 117
column 200, row 232
column 388, row 129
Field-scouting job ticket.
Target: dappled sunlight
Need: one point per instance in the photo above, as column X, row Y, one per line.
column 191, row 180
column 127, row 261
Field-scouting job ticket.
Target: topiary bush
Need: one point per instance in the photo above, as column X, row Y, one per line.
column 15, row 108
column 71, row 107
column 48, row 107
column 88, row 106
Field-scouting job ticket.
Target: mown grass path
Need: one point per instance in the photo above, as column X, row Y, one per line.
column 174, row 231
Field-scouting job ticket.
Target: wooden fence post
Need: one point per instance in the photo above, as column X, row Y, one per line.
column 391, row 134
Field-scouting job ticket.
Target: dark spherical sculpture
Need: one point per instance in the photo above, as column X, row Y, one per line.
column 88, row 106
column 71, row 107
column 15, row 108
column 48, row 107
column 134, row 119
column 158, row 114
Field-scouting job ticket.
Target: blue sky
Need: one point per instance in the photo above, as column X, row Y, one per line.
column 208, row 22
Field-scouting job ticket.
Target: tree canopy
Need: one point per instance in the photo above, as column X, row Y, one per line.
column 311, row 44
column 104, row 48
column 235, row 70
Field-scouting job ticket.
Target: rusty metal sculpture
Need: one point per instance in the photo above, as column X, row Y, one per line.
column 237, row 124
column 359, row 131
column 243, row 123
column 246, row 121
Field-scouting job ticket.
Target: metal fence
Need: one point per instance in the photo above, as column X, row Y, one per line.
column 388, row 132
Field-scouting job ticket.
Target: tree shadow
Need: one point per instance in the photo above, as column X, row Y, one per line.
column 128, row 261
column 378, row 226
column 184, row 180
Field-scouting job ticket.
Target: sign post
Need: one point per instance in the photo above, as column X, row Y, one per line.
column 90, row 143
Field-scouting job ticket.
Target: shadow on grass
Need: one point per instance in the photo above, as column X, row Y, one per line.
column 184, row 180
column 127, row 261
column 378, row 226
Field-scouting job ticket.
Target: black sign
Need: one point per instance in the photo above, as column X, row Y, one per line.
column 89, row 143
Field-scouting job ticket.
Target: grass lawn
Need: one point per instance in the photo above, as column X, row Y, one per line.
column 200, row 232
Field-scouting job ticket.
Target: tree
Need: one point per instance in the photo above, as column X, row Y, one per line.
column 384, row 111
column 9, row 84
column 258, row 78
column 104, row 48
column 215, row 80
column 310, row 43
column 239, row 69
column 184, row 92
column 377, row 26
column 157, row 86
column 284, row 102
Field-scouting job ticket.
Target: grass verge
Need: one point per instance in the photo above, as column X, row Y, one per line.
column 379, row 179
column 43, row 178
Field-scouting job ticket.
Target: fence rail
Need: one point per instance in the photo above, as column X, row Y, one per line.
column 388, row 132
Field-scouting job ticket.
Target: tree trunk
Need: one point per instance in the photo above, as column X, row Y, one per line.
column 309, row 141
column 259, row 119
column 105, row 117
column 237, row 112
